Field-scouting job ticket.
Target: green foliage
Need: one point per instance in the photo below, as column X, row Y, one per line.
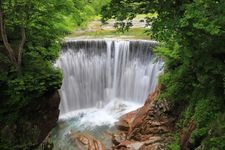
column 45, row 23
column 174, row 145
column 136, row 33
column 38, row 78
column 215, row 139
column 192, row 35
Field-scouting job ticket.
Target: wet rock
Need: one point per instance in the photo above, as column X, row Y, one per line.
column 143, row 111
column 35, row 123
column 86, row 142
column 122, row 125
column 133, row 145
column 118, row 138
column 126, row 120
column 146, row 128
column 128, row 145
column 155, row 146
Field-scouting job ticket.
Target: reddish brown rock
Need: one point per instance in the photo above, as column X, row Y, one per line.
column 148, row 127
column 118, row 138
column 155, row 146
column 126, row 120
column 86, row 142
column 128, row 145
column 142, row 112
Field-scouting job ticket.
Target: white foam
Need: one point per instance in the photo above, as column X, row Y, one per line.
column 108, row 115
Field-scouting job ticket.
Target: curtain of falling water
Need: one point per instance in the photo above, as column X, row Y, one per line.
column 98, row 71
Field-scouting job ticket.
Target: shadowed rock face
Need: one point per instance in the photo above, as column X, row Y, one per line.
column 86, row 142
column 146, row 128
column 48, row 115
column 35, row 124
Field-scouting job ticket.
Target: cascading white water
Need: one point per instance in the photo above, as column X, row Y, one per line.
column 98, row 71
column 103, row 79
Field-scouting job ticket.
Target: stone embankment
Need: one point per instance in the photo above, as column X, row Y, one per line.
column 147, row 128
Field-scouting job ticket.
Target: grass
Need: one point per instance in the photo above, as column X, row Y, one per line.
column 95, row 29
column 139, row 16
column 134, row 33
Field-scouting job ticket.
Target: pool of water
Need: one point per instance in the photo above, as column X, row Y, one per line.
column 97, row 122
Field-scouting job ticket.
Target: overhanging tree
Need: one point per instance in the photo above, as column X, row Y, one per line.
column 191, row 35
column 15, row 56
column 30, row 36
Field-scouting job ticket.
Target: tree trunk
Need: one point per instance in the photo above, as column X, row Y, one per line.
column 8, row 47
column 21, row 48
column 185, row 136
column 14, row 58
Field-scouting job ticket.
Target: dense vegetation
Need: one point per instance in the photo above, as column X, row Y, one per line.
column 191, row 35
column 31, row 32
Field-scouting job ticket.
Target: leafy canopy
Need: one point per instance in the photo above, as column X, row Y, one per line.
column 44, row 24
column 191, row 35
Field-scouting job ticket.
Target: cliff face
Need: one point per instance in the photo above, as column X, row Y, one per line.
column 146, row 128
column 48, row 114
column 34, row 125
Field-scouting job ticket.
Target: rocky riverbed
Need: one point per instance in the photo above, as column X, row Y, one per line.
column 146, row 128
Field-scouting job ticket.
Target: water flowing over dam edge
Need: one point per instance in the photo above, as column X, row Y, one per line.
column 97, row 72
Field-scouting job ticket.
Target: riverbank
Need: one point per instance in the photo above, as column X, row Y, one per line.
column 96, row 29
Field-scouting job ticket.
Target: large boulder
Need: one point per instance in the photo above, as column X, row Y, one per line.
column 125, row 121
column 86, row 142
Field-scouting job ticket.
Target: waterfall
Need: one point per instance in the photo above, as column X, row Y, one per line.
column 98, row 71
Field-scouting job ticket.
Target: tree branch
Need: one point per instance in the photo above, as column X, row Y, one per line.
column 21, row 47
column 8, row 47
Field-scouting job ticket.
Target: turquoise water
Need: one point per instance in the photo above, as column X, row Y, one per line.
column 97, row 122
